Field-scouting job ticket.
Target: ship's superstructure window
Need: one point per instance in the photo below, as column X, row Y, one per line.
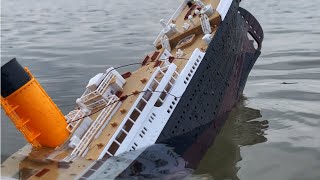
column 166, row 90
column 147, row 95
column 158, row 87
column 142, row 103
column 128, row 125
column 113, row 148
column 121, row 136
column 164, row 94
column 156, row 93
column 154, row 85
column 135, row 114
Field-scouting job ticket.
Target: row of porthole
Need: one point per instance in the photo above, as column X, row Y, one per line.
column 192, row 70
column 150, row 120
column 219, row 100
column 181, row 117
column 152, row 117
column 250, row 25
column 143, row 131
column 173, row 103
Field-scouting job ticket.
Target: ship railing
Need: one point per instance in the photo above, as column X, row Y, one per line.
column 141, row 108
column 105, row 83
column 152, row 125
column 97, row 104
column 86, row 92
column 74, row 119
column 72, row 114
column 173, row 17
column 89, row 95
column 103, row 118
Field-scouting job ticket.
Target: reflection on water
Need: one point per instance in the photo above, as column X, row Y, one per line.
column 218, row 160
column 244, row 127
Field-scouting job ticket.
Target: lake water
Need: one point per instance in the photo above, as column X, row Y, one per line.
column 273, row 134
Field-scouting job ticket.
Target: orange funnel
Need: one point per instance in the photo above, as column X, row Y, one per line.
column 30, row 108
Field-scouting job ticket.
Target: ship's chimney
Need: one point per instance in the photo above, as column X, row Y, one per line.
column 30, row 108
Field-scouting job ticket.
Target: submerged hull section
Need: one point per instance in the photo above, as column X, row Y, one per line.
column 219, row 80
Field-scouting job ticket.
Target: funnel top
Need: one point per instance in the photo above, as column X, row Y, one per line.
column 13, row 76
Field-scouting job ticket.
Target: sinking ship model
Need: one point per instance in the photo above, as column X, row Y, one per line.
column 195, row 76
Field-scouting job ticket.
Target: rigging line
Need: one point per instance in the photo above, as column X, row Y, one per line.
column 121, row 99
column 175, row 58
column 181, row 58
column 126, row 65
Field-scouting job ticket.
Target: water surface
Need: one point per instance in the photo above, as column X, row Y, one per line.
column 274, row 134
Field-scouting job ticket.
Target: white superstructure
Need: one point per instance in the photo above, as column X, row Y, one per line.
column 151, row 111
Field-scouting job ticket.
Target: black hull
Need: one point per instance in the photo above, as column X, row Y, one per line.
column 218, row 82
column 214, row 89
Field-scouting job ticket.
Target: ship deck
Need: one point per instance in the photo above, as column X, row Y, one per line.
column 134, row 83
